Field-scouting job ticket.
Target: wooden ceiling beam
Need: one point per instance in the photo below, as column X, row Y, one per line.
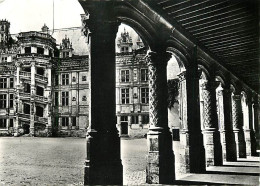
column 216, row 19
column 240, row 28
column 235, row 46
column 229, row 37
column 212, row 11
column 231, row 41
column 233, row 25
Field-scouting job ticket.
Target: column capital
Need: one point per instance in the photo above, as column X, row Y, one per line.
column 157, row 58
column 236, row 97
column 209, row 84
column 33, row 63
column 182, row 76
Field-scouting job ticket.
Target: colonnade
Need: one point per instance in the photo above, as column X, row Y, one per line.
column 222, row 136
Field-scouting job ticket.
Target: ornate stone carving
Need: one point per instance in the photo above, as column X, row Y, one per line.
column 157, row 68
column 236, row 111
column 210, row 112
column 85, row 26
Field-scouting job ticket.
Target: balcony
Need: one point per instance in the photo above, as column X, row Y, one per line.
column 24, row 96
column 24, row 74
column 41, row 78
column 40, row 119
column 40, row 98
column 24, row 116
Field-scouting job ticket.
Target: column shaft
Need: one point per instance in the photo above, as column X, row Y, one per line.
column 160, row 158
column 226, row 129
column 210, row 132
column 191, row 139
column 103, row 164
column 238, row 126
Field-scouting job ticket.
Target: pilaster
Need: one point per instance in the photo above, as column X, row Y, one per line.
column 160, row 158
column 210, row 122
column 238, row 125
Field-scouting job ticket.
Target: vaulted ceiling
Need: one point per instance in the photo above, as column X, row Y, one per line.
column 227, row 28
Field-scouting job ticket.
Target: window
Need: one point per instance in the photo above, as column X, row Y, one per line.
column 65, row 79
column 39, row 91
column 3, row 101
column 145, row 119
column 144, row 74
column 65, row 121
column 56, row 98
column 84, row 78
column 27, row 50
column 125, row 75
column 11, row 123
column 11, row 82
column 65, row 98
column 2, row 123
column 124, row 118
column 56, row 80
column 74, row 121
column 11, row 101
column 3, row 82
column 145, row 95
column 125, row 95
column 40, row 50
column 134, row 119
column 4, row 59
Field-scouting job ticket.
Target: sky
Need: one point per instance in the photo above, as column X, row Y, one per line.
column 31, row 15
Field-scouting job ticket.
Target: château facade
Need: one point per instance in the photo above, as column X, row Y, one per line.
column 44, row 87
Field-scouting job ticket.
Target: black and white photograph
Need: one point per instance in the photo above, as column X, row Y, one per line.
column 129, row 92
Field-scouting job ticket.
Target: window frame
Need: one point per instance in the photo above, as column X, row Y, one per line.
column 144, row 75
column 65, row 79
column 144, row 95
column 125, row 76
column 65, row 98
column 125, row 98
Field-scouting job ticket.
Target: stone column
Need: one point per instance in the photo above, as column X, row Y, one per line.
column 238, row 125
column 248, row 129
column 256, row 122
column 160, row 158
column 226, row 129
column 210, row 132
column 192, row 150
column 33, row 92
column 17, row 99
column 103, row 164
column 49, row 97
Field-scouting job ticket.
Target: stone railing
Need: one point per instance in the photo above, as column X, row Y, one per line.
column 22, row 115
column 40, row 119
column 30, row 55
column 40, row 77
column 24, row 95
column 25, row 74
column 41, row 98
column 37, row 34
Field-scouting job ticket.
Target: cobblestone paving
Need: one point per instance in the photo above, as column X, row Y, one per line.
column 59, row 161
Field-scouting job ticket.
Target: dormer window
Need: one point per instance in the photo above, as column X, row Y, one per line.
column 27, row 50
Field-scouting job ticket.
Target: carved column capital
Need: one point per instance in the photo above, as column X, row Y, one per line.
column 158, row 59
column 182, row 76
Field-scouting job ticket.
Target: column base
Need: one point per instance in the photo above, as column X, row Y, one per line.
column 160, row 158
column 250, row 142
column 228, row 146
column 103, row 165
column 213, row 147
column 31, row 132
column 240, row 143
column 192, row 154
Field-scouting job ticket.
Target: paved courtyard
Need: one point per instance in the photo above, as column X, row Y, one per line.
column 60, row 161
